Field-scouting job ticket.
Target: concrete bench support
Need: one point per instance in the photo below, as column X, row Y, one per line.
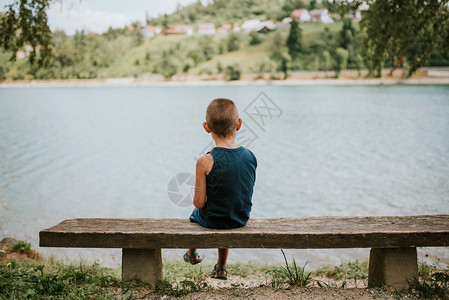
column 142, row 264
column 392, row 267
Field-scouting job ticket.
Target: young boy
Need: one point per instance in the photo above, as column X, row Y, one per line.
column 225, row 179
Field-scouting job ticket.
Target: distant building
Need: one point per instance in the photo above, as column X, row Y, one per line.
column 158, row 29
column 180, row 29
column 225, row 28
column 206, row 28
column 147, row 31
column 356, row 15
column 321, row 15
column 301, row 15
column 251, row 25
column 236, row 28
column 286, row 20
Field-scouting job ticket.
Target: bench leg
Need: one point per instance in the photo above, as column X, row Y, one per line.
column 392, row 267
column 142, row 264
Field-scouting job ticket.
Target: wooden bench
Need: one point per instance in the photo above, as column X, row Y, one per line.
column 393, row 240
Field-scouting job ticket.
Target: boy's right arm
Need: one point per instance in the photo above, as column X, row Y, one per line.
column 199, row 198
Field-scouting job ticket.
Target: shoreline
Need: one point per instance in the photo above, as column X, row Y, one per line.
column 138, row 82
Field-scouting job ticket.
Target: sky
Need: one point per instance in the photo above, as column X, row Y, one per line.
column 98, row 15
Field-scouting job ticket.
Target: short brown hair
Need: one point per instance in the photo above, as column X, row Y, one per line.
column 222, row 116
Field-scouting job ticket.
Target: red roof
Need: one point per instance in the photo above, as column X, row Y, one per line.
column 298, row 12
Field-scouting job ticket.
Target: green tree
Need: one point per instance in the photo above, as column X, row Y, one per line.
column 167, row 67
column 233, row 42
column 347, row 34
column 25, row 24
column 326, row 60
column 393, row 27
column 294, row 40
column 341, row 60
column 282, row 60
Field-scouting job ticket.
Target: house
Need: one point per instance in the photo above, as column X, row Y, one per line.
column 251, row 25
column 236, row 28
column 206, row 28
column 180, row 29
column 225, row 28
column 147, row 31
column 301, row 15
column 321, row 15
column 356, row 15
column 158, row 29
column 287, row 20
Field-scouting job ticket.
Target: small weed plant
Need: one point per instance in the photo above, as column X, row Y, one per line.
column 289, row 275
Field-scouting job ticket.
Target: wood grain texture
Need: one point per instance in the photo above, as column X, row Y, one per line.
column 295, row 233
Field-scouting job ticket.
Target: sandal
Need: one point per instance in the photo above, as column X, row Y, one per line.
column 188, row 258
column 215, row 273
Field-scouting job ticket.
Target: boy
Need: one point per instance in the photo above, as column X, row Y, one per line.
column 225, row 179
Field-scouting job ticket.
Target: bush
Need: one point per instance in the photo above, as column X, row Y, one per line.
column 234, row 71
column 255, row 38
column 341, row 60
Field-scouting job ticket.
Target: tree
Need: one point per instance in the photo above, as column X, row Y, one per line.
column 25, row 24
column 347, row 34
column 341, row 60
column 282, row 60
column 393, row 27
column 166, row 67
column 294, row 40
column 233, row 42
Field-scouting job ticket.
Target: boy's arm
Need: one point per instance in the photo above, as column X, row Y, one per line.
column 199, row 198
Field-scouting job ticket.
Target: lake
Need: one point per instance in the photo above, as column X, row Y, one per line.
column 321, row 150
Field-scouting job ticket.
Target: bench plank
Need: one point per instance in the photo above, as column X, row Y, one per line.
column 295, row 233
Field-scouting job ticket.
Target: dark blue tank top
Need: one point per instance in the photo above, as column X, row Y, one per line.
column 229, row 189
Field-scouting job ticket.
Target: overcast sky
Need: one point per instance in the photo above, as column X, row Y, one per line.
column 98, row 15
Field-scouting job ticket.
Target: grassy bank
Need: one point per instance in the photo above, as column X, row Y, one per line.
column 26, row 275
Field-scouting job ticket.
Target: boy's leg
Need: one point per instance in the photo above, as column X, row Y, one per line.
column 222, row 259
column 190, row 251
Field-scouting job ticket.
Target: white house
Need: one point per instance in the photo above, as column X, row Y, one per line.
column 206, row 28
column 251, row 25
column 301, row 15
column 321, row 15
column 147, row 31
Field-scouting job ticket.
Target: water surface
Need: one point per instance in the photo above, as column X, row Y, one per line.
column 110, row 152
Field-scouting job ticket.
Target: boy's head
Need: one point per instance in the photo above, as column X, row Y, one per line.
column 222, row 117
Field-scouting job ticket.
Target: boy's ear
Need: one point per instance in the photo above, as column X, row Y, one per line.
column 206, row 127
column 239, row 124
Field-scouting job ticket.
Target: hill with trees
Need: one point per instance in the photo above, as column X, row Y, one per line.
column 126, row 52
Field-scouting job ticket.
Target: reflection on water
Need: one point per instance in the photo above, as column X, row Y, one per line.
column 110, row 152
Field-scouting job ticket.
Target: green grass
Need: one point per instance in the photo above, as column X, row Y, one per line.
column 432, row 281
column 20, row 246
column 347, row 270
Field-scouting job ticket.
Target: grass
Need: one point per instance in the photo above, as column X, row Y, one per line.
column 33, row 277
column 432, row 281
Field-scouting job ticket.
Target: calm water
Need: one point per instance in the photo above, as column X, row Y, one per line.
column 111, row 152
